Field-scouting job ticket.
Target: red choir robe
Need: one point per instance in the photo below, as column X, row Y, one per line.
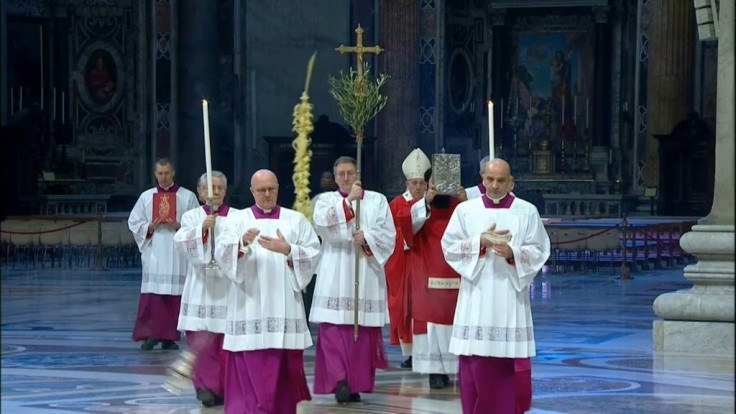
column 397, row 275
column 426, row 260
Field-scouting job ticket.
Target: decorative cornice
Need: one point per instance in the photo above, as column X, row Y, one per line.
column 553, row 22
column 498, row 16
column 602, row 14
column 520, row 4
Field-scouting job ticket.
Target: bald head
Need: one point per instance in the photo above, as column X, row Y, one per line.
column 263, row 174
column 497, row 178
column 501, row 166
column 265, row 188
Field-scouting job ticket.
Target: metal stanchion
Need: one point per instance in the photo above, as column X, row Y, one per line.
column 624, row 267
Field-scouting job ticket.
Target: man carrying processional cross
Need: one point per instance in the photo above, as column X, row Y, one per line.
column 349, row 302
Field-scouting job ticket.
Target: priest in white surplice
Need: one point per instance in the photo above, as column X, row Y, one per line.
column 493, row 318
column 342, row 365
column 271, row 253
column 164, row 267
column 204, row 299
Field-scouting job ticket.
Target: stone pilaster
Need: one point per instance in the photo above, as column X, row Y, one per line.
column 701, row 319
column 398, row 123
column 601, row 133
column 669, row 75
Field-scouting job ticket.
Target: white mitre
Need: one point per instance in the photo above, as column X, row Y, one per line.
column 415, row 164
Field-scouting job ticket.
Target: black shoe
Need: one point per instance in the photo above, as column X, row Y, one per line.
column 342, row 392
column 169, row 346
column 206, row 396
column 406, row 363
column 149, row 343
column 436, row 382
column 219, row 401
column 354, row 398
column 446, row 379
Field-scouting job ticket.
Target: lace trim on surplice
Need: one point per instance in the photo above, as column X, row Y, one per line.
column 348, row 304
column 266, row 325
column 493, row 333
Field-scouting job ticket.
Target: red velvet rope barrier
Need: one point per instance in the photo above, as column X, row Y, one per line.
column 590, row 236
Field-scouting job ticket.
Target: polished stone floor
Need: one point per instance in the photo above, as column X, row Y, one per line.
column 66, row 348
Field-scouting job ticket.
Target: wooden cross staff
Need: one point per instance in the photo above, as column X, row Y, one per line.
column 359, row 50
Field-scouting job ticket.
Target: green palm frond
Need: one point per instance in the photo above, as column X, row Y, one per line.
column 358, row 99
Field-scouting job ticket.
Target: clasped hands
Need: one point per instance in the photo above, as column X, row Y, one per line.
column 276, row 244
column 498, row 241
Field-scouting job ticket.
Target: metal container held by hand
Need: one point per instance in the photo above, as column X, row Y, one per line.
column 179, row 374
column 446, row 173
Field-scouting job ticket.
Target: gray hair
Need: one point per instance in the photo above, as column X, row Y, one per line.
column 345, row 160
column 485, row 160
column 203, row 178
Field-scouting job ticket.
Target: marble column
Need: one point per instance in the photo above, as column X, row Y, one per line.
column 398, row 123
column 197, row 64
column 669, row 74
column 701, row 319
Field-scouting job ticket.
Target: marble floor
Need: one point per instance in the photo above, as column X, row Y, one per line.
column 66, row 348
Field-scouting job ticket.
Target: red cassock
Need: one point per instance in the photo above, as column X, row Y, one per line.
column 397, row 277
column 426, row 260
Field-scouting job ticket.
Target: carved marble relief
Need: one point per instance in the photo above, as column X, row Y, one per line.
column 102, row 46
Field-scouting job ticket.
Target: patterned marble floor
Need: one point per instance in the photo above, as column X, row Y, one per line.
column 66, row 348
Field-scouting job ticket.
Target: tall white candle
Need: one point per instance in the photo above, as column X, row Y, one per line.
column 54, row 104
column 502, row 113
column 207, row 153
column 63, row 105
column 490, row 130
column 563, row 109
column 575, row 110
column 586, row 112
column 20, row 101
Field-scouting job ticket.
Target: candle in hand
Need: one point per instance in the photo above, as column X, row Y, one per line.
column 207, row 153
column 490, row 130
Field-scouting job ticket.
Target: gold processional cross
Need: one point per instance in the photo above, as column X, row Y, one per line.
column 359, row 50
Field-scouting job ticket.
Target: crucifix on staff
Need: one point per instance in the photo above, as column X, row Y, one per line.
column 358, row 100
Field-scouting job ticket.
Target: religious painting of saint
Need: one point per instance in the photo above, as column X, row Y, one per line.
column 100, row 77
column 552, row 81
